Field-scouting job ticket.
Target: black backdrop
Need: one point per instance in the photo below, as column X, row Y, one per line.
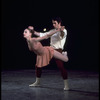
column 80, row 17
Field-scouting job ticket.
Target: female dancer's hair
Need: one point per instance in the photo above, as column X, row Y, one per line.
column 32, row 31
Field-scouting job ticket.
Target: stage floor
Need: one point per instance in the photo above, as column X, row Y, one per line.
column 84, row 85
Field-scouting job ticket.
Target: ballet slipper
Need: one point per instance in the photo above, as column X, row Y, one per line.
column 37, row 82
column 66, row 85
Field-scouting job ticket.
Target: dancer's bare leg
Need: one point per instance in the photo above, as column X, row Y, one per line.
column 60, row 56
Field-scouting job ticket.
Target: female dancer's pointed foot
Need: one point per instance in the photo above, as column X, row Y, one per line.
column 64, row 53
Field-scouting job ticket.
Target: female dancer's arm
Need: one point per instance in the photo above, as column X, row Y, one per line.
column 46, row 36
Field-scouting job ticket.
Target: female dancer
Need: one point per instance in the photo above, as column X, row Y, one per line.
column 44, row 53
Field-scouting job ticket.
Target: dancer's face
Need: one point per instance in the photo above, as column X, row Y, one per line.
column 56, row 25
column 26, row 33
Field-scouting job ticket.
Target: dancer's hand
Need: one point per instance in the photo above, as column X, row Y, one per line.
column 62, row 28
column 31, row 27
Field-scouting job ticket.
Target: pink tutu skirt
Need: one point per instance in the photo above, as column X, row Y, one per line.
column 44, row 59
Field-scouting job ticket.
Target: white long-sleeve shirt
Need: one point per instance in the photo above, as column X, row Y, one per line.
column 56, row 40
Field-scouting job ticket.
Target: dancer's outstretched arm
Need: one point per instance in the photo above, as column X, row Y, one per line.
column 35, row 32
column 50, row 34
column 46, row 36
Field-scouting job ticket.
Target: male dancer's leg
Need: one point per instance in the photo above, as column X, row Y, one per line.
column 64, row 74
column 60, row 65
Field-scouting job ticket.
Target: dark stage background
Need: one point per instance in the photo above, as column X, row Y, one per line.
column 80, row 17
